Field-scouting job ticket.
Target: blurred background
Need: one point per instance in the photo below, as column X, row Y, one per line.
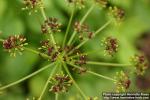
column 133, row 34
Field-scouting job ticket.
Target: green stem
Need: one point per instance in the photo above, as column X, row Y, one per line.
column 86, row 53
column 26, row 77
column 68, row 27
column 51, row 35
column 54, row 42
column 36, row 52
column 47, row 82
column 76, row 85
column 56, row 96
column 88, row 12
column 100, row 29
column 81, row 22
column 93, row 73
column 43, row 13
column 107, row 64
column 102, row 76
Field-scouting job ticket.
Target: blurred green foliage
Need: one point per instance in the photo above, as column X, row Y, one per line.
column 15, row 21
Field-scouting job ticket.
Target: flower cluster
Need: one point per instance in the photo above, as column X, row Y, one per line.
column 83, row 30
column 32, row 5
column 140, row 62
column 117, row 13
column 78, row 3
column 103, row 3
column 81, row 70
column 111, row 45
column 49, row 50
column 122, row 82
column 61, row 83
column 81, row 61
column 14, row 44
column 51, row 24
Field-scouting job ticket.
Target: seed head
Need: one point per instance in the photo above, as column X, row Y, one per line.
column 103, row 3
column 123, row 82
column 78, row 3
column 14, row 44
column 117, row 13
column 140, row 63
column 32, row 5
column 46, row 47
column 83, row 31
column 111, row 45
column 61, row 83
column 50, row 24
column 81, row 61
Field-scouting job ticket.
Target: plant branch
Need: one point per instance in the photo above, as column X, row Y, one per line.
column 43, row 13
column 47, row 82
column 86, row 53
column 81, row 22
column 102, row 76
column 100, row 29
column 26, row 77
column 68, row 27
column 56, row 96
column 107, row 64
column 93, row 73
column 36, row 52
column 76, row 85
column 51, row 35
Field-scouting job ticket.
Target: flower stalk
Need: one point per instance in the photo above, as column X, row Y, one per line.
column 26, row 77
column 82, row 20
column 74, row 82
column 47, row 82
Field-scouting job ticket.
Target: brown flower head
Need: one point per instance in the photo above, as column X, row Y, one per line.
column 61, row 83
column 117, row 13
column 51, row 24
column 14, row 43
column 83, row 30
column 140, row 63
column 122, row 82
column 111, row 45
column 103, row 3
column 32, row 5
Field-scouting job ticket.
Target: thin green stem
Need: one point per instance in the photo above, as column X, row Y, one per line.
column 47, row 82
column 51, row 35
column 43, row 13
column 88, row 12
column 68, row 27
column 53, row 41
column 102, row 76
column 100, row 29
column 93, row 73
column 76, row 85
column 86, row 53
column 107, row 64
column 81, row 22
column 78, row 46
column 56, row 96
column 36, row 52
column 26, row 77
